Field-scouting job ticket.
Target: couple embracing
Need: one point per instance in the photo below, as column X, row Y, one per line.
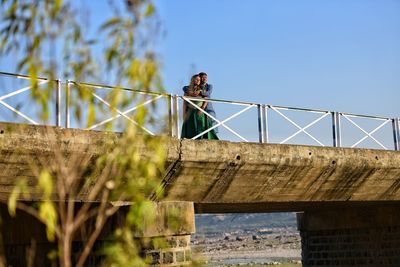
column 194, row 120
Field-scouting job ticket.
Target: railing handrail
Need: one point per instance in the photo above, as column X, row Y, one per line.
column 365, row 116
column 104, row 86
column 22, row 76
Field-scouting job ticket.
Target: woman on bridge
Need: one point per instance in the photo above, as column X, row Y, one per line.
column 194, row 120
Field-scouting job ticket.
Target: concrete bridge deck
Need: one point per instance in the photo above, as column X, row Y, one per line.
column 220, row 176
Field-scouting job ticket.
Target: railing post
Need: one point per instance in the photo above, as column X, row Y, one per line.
column 173, row 113
column 58, row 103
column 336, row 129
column 262, row 135
column 170, row 114
column 175, row 117
column 266, row 107
column 67, row 96
column 396, row 133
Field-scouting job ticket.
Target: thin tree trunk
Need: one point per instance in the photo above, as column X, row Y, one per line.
column 66, row 250
column 3, row 261
column 30, row 257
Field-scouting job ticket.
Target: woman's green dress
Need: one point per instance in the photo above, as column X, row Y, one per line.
column 195, row 124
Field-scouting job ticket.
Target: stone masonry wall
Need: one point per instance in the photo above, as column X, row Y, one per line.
column 352, row 247
column 177, row 252
column 350, row 238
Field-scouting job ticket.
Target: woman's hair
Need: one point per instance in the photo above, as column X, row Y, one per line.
column 191, row 85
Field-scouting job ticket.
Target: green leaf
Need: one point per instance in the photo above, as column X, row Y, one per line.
column 76, row 34
column 111, row 22
column 91, row 115
column 46, row 183
column 48, row 213
column 19, row 188
column 111, row 53
column 23, row 63
column 12, row 201
column 57, row 6
column 149, row 10
column 36, row 43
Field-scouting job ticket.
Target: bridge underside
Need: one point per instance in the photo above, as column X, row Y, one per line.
column 288, row 206
column 220, row 176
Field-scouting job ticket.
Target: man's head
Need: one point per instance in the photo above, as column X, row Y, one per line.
column 203, row 77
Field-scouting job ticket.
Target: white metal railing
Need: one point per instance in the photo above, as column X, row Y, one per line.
column 368, row 134
column 264, row 111
column 173, row 114
column 247, row 106
column 303, row 129
column 154, row 97
column 19, row 91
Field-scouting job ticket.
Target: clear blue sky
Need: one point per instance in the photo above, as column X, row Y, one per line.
column 333, row 54
column 337, row 55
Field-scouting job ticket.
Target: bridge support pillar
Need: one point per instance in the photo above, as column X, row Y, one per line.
column 350, row 237
column 164, row 236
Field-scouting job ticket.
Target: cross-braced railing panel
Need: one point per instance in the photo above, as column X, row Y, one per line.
column 115, row 108
column 287, row 125
column 366, row 131
column 19, row 104
column 234, row 121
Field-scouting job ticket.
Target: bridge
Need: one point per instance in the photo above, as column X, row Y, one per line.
column 222, row 176
column 347, row 197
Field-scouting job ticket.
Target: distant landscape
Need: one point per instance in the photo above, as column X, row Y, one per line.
column 247, row 239
column 210, row 222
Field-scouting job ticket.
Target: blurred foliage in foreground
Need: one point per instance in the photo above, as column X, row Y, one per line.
column 52, row 39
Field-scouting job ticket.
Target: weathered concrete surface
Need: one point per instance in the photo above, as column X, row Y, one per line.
column 167, row 218
column 283, row 177
column 220, row 176
column 23, row 147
